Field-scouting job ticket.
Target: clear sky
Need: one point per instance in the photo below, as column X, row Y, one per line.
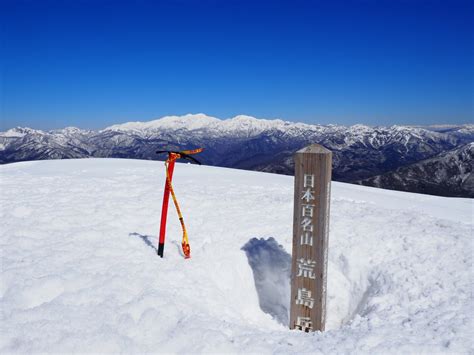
column 92, row 63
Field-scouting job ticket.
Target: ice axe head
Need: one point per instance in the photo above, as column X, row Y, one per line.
column 184, row 154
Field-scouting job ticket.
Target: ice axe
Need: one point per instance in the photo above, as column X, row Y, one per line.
column 169, row 165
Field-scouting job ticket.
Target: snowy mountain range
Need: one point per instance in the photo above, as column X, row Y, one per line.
column 362, row 154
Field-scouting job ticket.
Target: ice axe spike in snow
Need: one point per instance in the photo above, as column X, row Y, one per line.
column 169, row 165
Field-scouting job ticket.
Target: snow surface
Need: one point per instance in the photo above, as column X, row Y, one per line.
column 80, row 271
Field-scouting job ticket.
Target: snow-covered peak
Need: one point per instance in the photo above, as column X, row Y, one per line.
column 400, row 128
column 244, row 118
column 69, row 131
column 238, row 125
column 249, row 124
column 259, row 122
column 188, row 121
column 360, row 128
column 19, row 132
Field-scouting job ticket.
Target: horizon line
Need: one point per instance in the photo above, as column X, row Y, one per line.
column 196, row 115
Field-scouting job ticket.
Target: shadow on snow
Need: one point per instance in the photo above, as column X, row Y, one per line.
column 146, row 239
column 271, row 266
column 150, row 240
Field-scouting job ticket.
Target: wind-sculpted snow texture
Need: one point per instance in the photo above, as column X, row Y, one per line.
column 244, row 142
column 80, row 271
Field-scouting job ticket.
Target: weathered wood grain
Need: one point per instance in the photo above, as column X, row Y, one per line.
column 315, row 161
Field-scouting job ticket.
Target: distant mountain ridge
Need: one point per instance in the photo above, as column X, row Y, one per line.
column 361, row 153
column 444, row 174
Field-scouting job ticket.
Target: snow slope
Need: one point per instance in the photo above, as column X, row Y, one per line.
column 80, row 271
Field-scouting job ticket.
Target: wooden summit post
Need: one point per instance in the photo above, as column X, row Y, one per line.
column 310, row 238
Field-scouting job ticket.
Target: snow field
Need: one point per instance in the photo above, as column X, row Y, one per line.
column 80, row 271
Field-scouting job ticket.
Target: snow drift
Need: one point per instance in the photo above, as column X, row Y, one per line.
column 80, row 271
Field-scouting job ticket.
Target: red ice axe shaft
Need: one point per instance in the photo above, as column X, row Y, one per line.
column 172, row 157
column 164, row 209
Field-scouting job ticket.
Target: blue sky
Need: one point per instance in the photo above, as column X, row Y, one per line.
column 94, row 63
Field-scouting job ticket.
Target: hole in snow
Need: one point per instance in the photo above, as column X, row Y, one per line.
column 271, row 266
column 351, row 284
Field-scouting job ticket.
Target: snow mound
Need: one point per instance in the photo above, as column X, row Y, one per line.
column 80, row 271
